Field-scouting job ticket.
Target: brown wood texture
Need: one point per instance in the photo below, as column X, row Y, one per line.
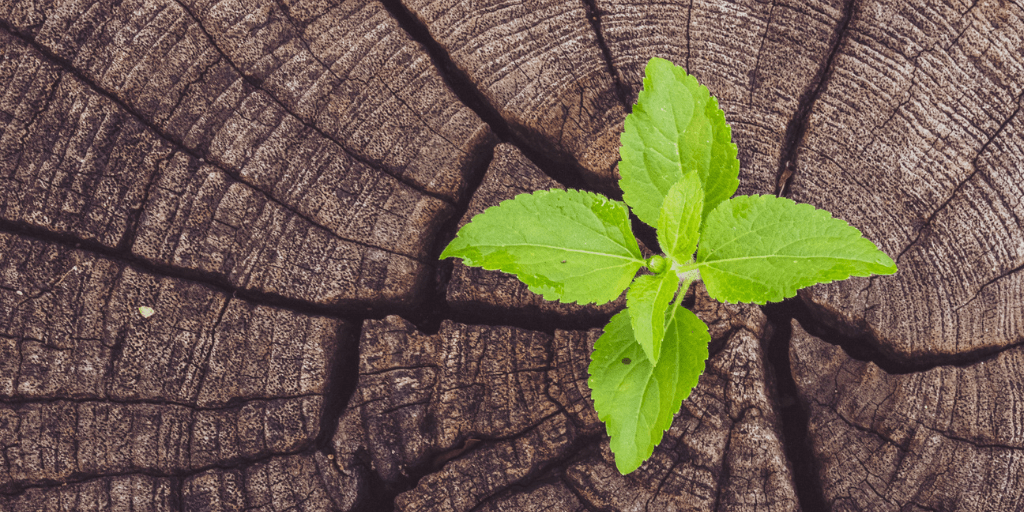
column 276, row 178
column 937, row 439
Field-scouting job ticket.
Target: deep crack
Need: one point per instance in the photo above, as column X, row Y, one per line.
column 797, row 126
column 795, row 418
column 559, row 166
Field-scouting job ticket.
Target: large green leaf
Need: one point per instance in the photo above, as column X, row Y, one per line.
column 647, row 299
column 679, row 222
column 635, row 399
column 764, row 248
column 675, row 128
column 566, row 245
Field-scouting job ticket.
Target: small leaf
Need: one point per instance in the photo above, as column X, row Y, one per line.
column 679, row 223
column 675, row 127
column 764, row 248
column 146, row 311
column 637, row 401
column 647, row 299
column 566, row 245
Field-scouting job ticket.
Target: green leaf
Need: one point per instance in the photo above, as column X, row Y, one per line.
column 679, row 223
column 647, row 299
column 635, row 399
column 764, row 248
column 566, row 245
column 675, row 128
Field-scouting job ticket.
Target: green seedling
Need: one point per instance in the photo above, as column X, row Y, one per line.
column 679, row 172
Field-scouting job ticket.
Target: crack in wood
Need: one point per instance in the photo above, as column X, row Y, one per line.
column 180, row 146
column 594, row 17
column 923, row 227
column 179, row 476
column 345, row 312
column 797, row 126
column 559, row 166
column 255, row 84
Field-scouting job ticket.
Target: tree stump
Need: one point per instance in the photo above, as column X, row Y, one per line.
column 220, row 223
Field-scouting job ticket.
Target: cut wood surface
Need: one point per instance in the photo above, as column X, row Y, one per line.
column 916, row 141
column 474, row 415
column 950, row 437
column 93, row 387
column 275, row 180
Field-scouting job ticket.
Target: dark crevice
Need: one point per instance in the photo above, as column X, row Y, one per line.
column 797, row 126
column 864, row 347
column 354, row 309
column 204, row 368
column 645, row 234
column 342, row 380
column 558, row 165
column 550, row 473
column 382, row 494
column 689, row 40
column 587, row 452
column 135, row 216
column 373, row 494
column 434, row 307
column 177, row 490
column 795, row 418
column 177, row 145
column 594, row 17
column 14, row 490
column 723, row 474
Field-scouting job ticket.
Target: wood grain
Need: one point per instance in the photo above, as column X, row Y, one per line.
column 93, row 388
column 916, row 142
column 762, row 60
column 946, row 438
column 275, row 179
column 83, row 166
column 536, row 63
column 514, row 407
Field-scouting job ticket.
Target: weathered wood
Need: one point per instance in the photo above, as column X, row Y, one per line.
column 79, row 164
column 130, row 492
column 538, row 64
column 916, row 141
column 91, row 387
column 217, row 115
column 304, row 483
column 760, row 59
column 237, row 164
column 477, row 293
column 349, row 70
column 225, row 79
column 298, row 482
column 946, row 438
column 491, row 415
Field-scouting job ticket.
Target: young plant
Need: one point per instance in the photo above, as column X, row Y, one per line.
column 678, row 172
